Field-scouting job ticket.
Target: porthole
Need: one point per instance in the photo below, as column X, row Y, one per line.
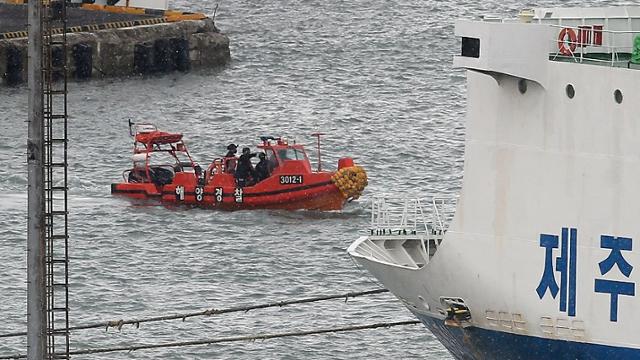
column 522, row 86
column 617, row 95
column 571, row 92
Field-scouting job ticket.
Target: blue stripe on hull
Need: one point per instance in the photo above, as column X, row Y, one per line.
column 475, row 343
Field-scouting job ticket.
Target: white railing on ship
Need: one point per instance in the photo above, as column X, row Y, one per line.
column 412, row 215
column 609, row 40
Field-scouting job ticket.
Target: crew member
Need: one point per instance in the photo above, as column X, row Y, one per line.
column 244, row 170
column 263, row 168
column 230, row 159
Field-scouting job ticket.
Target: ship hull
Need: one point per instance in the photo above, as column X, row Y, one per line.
column 474, row 343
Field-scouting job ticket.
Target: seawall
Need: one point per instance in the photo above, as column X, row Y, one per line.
column 125, row 48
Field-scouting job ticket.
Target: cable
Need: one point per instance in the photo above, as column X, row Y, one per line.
column 231, row 339
column 119, row 323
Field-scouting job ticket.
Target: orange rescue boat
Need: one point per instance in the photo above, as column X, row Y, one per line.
column 163, row 169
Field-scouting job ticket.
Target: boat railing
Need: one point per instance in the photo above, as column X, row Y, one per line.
column 594, row 45
column 406, row 215
column 405, row 231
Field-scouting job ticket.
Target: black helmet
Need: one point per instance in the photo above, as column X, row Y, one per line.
column 262, row 155
column 232, row 146
column 246, row 150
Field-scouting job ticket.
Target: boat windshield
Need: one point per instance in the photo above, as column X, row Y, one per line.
column 161, row 158
column 291, row 154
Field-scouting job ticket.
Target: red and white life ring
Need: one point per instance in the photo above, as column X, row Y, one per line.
column 567, row 48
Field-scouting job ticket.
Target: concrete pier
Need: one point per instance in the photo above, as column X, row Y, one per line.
column 111, row 42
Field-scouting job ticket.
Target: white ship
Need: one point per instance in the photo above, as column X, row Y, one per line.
column 538, row 260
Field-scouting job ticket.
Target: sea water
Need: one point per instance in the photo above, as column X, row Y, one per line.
column 375, row 76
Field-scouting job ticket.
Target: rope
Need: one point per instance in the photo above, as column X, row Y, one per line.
column 136, row 322
column 231, row 339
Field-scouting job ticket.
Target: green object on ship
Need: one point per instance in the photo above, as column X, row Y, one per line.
column 635, row 54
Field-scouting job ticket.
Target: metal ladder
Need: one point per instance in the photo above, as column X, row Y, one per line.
column 54, row 90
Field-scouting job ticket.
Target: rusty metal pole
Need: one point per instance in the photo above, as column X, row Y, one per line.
column 318, row 134
column 36, row 297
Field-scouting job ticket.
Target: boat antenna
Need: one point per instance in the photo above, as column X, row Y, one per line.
column 131, row 124
column 317, row 135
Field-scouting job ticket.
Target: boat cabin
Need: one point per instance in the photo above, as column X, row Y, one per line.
column 284, row 156
column 284, row 159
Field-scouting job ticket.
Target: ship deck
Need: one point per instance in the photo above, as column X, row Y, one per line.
column 619, row 59
column 13, row 18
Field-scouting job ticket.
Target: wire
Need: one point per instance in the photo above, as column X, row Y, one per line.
column 231, row 339
column 119, row 323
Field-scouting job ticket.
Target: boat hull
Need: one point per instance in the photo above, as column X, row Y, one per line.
column 322, row 195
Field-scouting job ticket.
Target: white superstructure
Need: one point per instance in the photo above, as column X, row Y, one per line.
column 539, row 260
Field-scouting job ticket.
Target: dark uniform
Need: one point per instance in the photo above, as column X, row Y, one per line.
column 244, row 170
column 263, row 168
column 230, row 159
